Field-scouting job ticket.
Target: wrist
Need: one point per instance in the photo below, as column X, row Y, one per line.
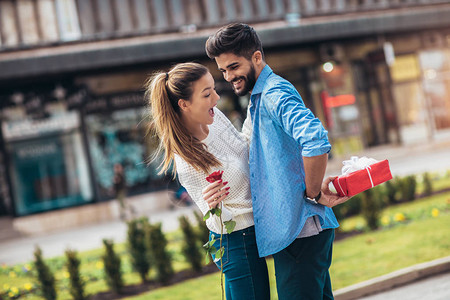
column 315, row 199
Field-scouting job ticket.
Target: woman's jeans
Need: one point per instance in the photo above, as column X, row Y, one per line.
column 246, row 276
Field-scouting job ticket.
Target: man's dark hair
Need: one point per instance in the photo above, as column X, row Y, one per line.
column 237, row 38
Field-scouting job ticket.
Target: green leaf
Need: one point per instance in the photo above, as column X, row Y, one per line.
column 206, row 217
column 229, row 225
column 220, row 252
column 218, row 212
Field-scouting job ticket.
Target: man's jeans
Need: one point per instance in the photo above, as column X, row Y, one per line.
column 302, row 269
column 246, row 276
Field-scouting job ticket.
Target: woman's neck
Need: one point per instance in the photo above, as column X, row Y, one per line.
column 199, row 131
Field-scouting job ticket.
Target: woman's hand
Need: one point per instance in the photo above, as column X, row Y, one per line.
column 215, row 192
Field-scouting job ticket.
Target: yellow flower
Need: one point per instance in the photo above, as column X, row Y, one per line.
column 66, row 274
column 12, row 274
column 15, row 290
column 399, row 217
column 6, row 286
column 99, row 265
column 385, row 220
column 11, row 294
column 434, row 212
column 27, row 267
column 28, row 286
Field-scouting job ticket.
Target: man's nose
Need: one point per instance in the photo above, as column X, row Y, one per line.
column 228, row 76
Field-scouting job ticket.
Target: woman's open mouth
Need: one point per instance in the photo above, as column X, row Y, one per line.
column 211, row 112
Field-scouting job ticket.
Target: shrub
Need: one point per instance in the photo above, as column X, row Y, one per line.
column 391, row 190
column 158, row 253
column 112, row 263
column 202, row 229
column 137, row 247
column 46, row 278
column 349, row 208
column 427, row 184
column 408, row 189
column 76, row 288
column 191, row 248
column 371, row 204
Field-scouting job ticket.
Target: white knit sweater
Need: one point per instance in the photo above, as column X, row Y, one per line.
column 231, row 148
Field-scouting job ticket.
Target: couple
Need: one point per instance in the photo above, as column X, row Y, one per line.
column 280, row 156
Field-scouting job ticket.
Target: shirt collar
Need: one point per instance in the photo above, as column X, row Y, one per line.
column 260, row 82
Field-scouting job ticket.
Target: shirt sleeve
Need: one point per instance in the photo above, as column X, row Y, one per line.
column 286, row 107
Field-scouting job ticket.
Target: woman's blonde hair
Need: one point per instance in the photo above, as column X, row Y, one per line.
column 163, row 91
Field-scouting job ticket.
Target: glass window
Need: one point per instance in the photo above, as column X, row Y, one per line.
column 121, row 138
column 436, row 67
column 49, row 172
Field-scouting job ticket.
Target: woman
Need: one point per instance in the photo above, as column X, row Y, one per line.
column 198, row 139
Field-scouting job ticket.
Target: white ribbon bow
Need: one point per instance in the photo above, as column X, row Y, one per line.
column 356, row 163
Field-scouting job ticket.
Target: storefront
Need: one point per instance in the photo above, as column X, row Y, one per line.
column 46, row 160
column 60, row 152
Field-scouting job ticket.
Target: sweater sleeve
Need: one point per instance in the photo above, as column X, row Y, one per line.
column 247, row 127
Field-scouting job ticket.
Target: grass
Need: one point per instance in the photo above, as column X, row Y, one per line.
column 419, row 238
column 415, row 210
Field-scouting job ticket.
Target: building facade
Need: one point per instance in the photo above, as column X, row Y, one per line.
column 72, row 73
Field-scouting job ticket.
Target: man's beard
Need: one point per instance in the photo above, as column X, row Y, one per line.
column 249, row 79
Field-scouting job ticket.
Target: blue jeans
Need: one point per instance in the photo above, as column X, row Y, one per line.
column 246, row 276
column 302, row 268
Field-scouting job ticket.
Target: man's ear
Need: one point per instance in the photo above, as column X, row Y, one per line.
column 183, row 104
column 257, row 57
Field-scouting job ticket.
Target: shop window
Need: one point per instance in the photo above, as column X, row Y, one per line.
column 121, row 138
column 48, row 173
column 436, row 82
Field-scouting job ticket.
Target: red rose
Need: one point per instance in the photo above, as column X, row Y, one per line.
column 214, row 176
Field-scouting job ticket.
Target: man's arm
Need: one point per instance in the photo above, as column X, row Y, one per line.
column 314, row 172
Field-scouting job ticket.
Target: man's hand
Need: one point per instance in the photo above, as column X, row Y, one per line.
column 329, row 198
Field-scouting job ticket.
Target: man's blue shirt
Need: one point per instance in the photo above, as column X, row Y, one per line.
column 284, row 130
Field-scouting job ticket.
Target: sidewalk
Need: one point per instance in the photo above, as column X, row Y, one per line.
column 20, row 250
column 393, row 285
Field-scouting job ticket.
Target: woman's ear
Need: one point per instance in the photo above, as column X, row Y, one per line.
column 183, row 104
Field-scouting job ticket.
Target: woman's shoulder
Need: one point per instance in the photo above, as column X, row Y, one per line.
column 222, row 123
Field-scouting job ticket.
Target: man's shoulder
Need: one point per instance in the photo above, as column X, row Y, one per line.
column 277, row 84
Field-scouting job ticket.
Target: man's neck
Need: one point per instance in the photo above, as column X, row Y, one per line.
column 258, row 72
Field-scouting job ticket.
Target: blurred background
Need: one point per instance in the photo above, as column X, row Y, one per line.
column 376, row 72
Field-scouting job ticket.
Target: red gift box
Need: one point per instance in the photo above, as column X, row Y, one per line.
column 361, row 180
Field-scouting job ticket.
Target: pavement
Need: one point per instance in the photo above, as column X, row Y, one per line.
column 434, row 288
column 427, row 157
column 427, row 280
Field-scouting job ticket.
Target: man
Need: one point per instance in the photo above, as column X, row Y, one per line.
column 289, row 149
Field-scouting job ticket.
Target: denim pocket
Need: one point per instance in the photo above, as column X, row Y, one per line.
column 217, row 246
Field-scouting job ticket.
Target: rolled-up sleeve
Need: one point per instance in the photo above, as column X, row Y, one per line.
column 288, row 110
